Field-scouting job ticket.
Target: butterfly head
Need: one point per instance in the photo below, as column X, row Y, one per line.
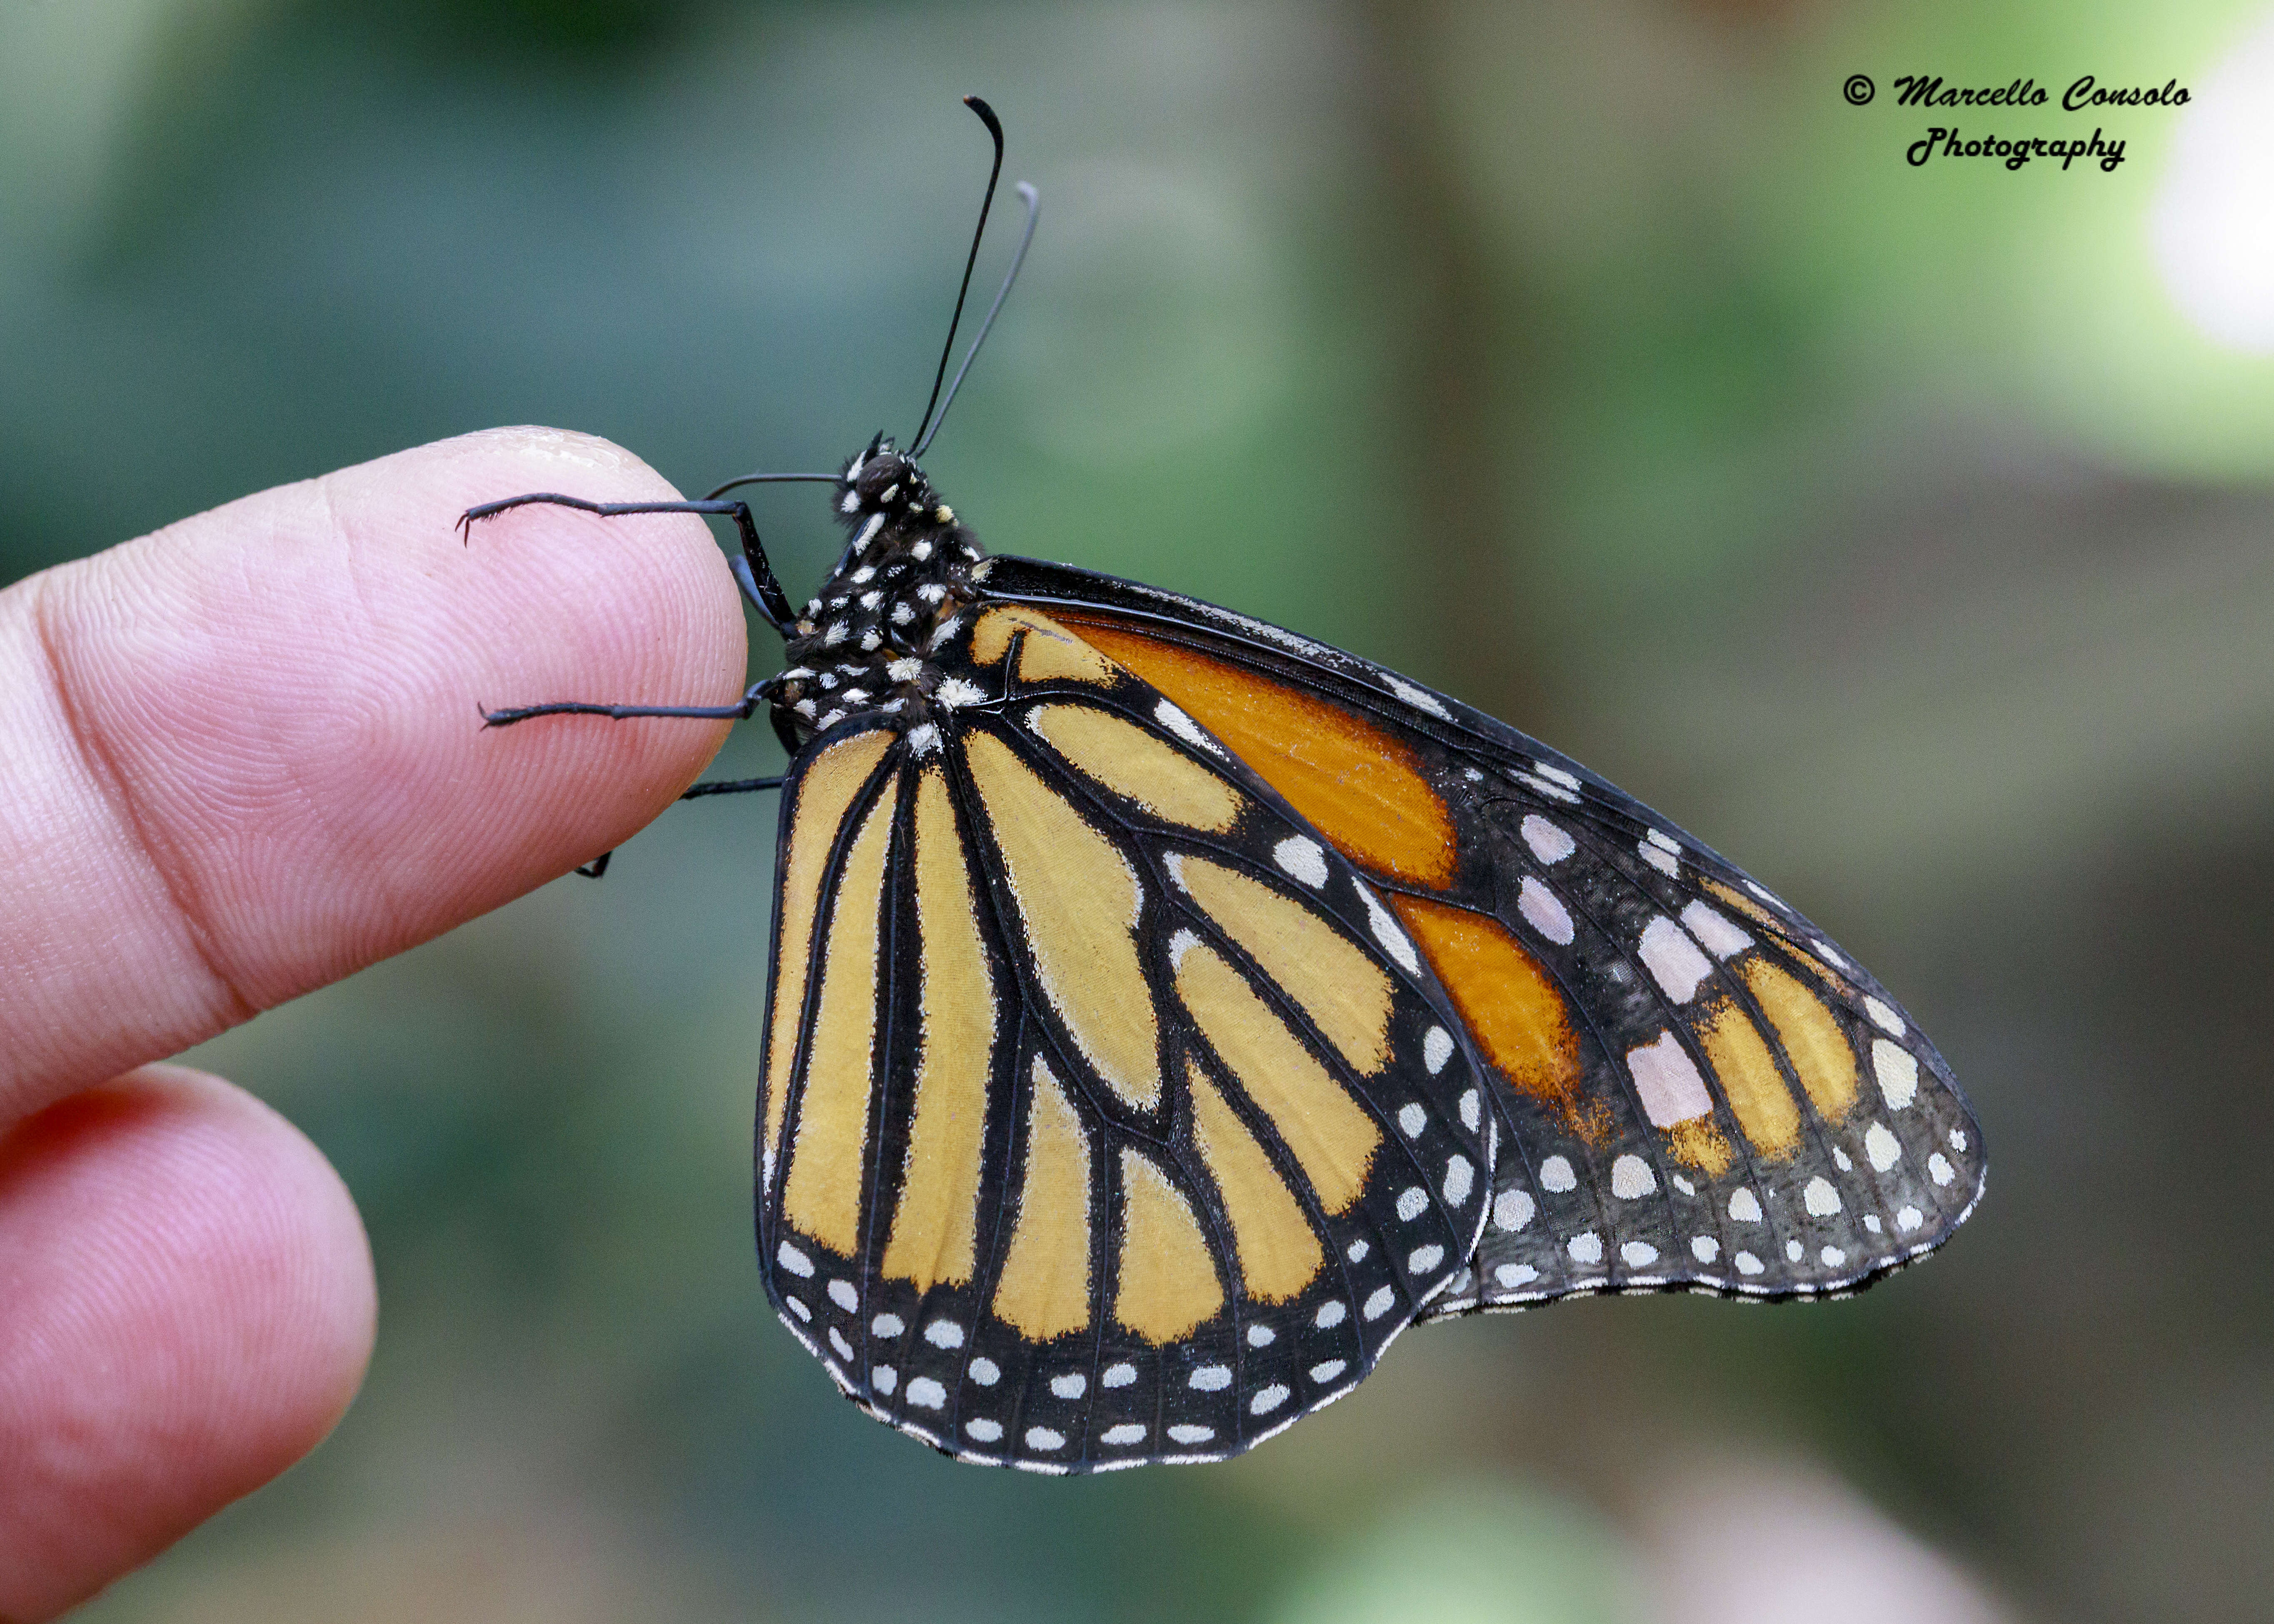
column 866, row 640
column 883, row 484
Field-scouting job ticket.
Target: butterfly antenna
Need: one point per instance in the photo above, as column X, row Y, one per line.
column 736, row 485
column 1033, row 201
column 995, row 129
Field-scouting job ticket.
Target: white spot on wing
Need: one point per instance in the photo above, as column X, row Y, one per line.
column 1412, row 1203
column 1673, row 959
column 1210, row 1378
column 1072, row 1386
column 985, row 1430
column 1460, row 1178
column 1185, row 1432
column 1386, row 930
column 1631, row 1178
column 926, row 1392
column 1938, row 1168
column 1412, row 1118
column 959, row 691
column 1883, row 1017
column 1548, row 841
column 1704, row 1248
column 842, row 1294
column 1587, row 1248
column 1420, row 699
column 1514, row 1275
column 1534, row 781
column 1512, row 1209
column 1125, row 1433
column 1667, row 1081
column 1302, row 857
column 1881, row 1147
column 1424, row 1259
column 1380, row 1303
column 1744, row 1206
column 1897, row 1069
column 943, row 1333
column 1543, row 912
column 1722, row 939
column 1659, row 857
column 796, row 1261
column 1555, row 1175
column 1329, row 1315
column 1326, row 1369
column 1436, row 1049
column 1638, row 1254
column 1821, row 1198
column 1191, row 732
column 1118, row 1376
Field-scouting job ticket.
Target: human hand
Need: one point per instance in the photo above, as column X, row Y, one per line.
column 240, row 758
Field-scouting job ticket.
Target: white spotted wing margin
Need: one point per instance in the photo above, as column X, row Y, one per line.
column 1191, row 1197
column 1747, row 1112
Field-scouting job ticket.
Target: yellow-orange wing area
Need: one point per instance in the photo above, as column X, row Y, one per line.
column 1702, row 1093
column 1108, row 1116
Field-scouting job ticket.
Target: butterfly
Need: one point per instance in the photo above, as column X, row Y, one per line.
column 1167, row 1010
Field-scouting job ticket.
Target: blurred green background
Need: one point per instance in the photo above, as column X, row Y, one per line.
column 1908, row 533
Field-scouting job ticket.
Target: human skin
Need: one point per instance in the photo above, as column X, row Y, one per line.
column 239, row 759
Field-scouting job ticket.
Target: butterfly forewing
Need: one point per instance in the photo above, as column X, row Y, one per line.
column 1702, row 1090
column 1110, row 1114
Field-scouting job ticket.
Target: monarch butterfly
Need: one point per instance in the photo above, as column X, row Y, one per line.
column 1166, row 1009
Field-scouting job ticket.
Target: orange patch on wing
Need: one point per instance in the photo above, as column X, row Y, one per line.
column 1750, row 1080
column 829, row 1141
column 1050, row 650
column 1514, row 1010
column 1698, row 1143
column 1167, row 1282
column 1821, row 1056
column 935, row 1226
column 824, row 790
column 1361, row 787
column 1748, row 907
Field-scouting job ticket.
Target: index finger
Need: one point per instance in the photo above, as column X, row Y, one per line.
column 243, row 757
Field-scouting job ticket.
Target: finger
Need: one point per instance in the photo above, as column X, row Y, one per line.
column 244, row 757
column 189, row 1310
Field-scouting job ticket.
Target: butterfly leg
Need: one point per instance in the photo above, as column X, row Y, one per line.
column 734, row 787
column 740, row 710
column 752, row 573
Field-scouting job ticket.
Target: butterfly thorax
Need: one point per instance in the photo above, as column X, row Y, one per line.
column 866, row 641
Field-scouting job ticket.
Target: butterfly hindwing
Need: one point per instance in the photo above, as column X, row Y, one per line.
column 1155, row 1130
column 1702, row 1092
